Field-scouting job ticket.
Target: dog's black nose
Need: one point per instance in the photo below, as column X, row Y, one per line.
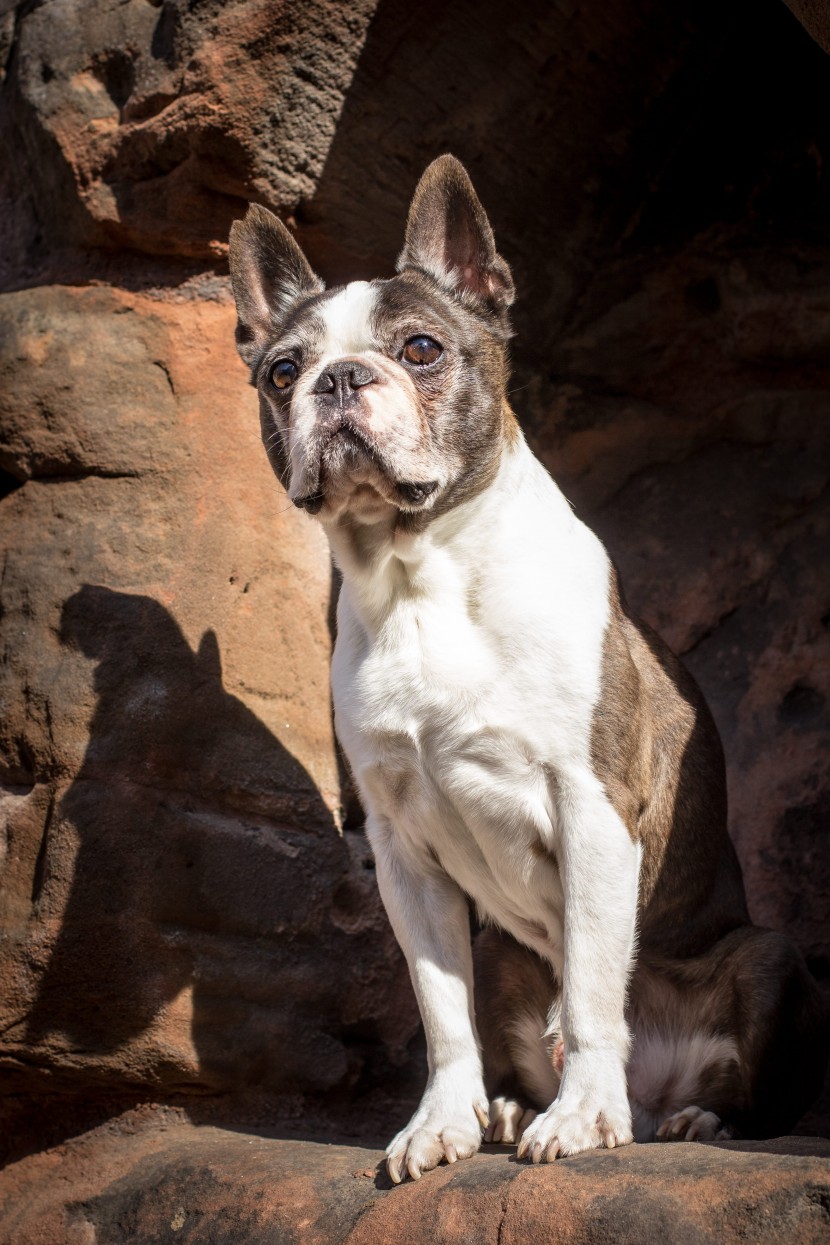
column 342, row 380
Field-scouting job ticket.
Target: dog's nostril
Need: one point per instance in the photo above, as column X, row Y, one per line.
column 325, row 383
column 360, row 376
column 343, row 378
column 414, row 491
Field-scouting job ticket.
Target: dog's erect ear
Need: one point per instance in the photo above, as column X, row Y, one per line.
column 449, row 236
column 269, row 273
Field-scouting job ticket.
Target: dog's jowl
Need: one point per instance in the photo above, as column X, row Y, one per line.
column 518, row 740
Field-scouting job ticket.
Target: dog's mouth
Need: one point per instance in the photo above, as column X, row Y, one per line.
column 347, row 453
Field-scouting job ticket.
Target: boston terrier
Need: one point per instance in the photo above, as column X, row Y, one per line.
column 519, row 741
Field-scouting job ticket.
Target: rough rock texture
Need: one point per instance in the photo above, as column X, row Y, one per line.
column 815, row 17
column 179, row 914
column 155, row 123
column 171, row 871
column 152, row 1178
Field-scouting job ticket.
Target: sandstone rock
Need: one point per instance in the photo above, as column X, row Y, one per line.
column 814, row 17
column 176, row 903
column 151, row 1177
column 151, row 125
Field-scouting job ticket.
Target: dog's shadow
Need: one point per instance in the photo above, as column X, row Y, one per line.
column 191, row 827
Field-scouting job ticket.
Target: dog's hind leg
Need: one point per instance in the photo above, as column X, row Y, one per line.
column 509, row 1117
column 517, row 1003
column 694, row 1124
column 732, row 1041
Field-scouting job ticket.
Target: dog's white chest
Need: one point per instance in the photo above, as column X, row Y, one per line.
column 461, row 708
column 444, row 760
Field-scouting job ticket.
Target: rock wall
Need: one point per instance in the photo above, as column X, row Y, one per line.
column 179, row 912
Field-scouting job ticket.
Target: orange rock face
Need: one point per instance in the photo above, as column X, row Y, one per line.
column 173, row 877
column 180, row 912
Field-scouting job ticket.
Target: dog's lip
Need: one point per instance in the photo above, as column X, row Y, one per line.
column 412, row 494
column 348, row 431
column 312, row 502
column 356, row 438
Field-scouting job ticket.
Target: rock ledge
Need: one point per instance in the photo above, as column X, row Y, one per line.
column 152, row 1176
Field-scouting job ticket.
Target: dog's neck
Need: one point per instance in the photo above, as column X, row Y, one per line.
column 383, row 562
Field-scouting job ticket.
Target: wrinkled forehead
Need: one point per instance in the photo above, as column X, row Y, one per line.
column 372, row 315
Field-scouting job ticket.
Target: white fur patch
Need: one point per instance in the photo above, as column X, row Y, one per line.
column 347, row 317
column 468, row 687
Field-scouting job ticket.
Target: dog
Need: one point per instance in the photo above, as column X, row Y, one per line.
column 517, row 739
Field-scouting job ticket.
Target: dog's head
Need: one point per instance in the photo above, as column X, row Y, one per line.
column 385, row 397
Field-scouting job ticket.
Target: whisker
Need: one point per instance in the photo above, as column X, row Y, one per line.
column 277, row 434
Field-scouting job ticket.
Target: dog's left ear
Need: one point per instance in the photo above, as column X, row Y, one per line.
column 269, row 273
column 449, row 236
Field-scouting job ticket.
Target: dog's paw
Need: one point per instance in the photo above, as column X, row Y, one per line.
column 693, row 1124
column 441, row 1129
column 561, row 1130
column 508, row 1120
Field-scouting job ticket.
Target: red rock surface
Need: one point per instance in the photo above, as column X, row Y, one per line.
column 179, row 916
column 152, row 1177
column 176, row 900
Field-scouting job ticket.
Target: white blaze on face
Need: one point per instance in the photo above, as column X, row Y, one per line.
column 348, row 322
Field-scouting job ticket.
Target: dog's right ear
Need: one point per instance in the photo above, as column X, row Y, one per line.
column 268, row 273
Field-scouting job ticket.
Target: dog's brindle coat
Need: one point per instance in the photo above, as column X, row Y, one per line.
column 516, row 737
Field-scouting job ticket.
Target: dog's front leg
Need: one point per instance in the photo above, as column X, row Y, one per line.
column 599, row 865
column 429, row 915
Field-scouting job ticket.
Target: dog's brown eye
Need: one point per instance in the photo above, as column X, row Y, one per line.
column 422, row 351
column 283, row 374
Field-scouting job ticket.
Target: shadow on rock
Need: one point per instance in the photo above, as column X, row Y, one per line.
column 201, row 881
